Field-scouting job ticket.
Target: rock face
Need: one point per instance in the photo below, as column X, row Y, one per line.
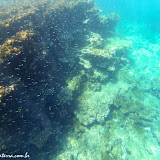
column 55, row 58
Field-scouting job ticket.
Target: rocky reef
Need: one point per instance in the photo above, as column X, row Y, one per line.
column 62, row 78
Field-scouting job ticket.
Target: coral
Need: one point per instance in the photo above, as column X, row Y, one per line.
column 13, row 46
column 115, row 45
column 95, row 40
column 99, row 77
column 96, row 108
column 6, row 90
column 74, row 83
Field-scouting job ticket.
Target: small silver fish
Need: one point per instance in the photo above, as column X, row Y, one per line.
column 86, row 21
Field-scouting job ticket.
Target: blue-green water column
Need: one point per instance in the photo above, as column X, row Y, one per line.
column 141, row 11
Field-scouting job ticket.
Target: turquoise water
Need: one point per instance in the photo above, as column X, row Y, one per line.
column 144, row 11
column 79, row 82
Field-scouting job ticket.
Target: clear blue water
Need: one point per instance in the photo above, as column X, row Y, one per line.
column 144, row 11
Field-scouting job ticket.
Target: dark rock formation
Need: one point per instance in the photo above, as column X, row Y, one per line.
column 42, row 51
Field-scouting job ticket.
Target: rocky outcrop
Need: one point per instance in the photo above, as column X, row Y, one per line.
column 52, row 56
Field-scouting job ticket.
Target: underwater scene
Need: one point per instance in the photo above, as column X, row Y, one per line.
column 80, row 79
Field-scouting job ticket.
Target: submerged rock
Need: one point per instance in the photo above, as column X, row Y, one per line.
column 57, row 63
